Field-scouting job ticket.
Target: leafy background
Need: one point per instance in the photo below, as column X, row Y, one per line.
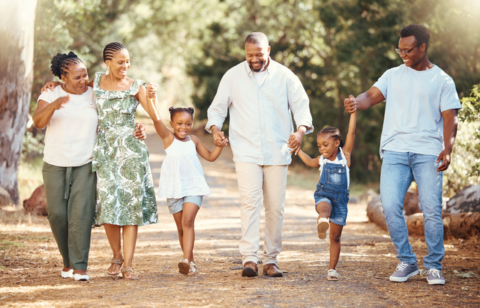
column 336, row 48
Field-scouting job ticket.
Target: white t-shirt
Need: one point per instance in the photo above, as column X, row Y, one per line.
column 72, row 130
column 413, row 115
column 260, row 77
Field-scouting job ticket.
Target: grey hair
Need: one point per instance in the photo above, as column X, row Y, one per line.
column 257, row 38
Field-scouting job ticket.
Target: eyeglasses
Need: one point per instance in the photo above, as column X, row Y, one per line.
column 406, row 52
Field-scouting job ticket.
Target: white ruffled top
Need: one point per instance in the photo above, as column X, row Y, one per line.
column 182, row 174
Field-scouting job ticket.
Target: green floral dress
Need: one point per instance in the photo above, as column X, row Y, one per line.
column 125, row 191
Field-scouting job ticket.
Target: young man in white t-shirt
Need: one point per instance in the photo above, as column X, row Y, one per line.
column 418, row 134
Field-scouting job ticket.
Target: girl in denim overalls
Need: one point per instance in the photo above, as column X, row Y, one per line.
column 331, row 196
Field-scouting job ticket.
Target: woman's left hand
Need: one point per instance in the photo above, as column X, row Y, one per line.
column 139, row 132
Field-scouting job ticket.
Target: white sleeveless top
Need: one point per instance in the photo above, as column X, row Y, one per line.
column 342, row 162
column 182, row 174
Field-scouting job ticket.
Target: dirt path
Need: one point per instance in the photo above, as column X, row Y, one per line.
column 30, row 262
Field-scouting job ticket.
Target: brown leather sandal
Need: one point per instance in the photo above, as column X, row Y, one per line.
column 118, row 262
column 130, row 272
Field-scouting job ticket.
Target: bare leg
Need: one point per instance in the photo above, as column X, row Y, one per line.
column 178, row 221
column 113, row 235
column 324, row 209
column 335, row 235
column 129, row 243
column 190, row 211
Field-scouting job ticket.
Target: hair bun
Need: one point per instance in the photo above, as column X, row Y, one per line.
column 58, row 62
column 171, row 109
column 191, row 110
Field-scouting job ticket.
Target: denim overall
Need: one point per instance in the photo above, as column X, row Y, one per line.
column 333, row 188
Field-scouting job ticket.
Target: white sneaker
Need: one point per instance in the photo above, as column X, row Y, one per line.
column 193, row 269
column 322, row 227
column 68, row 274
column 79, row 277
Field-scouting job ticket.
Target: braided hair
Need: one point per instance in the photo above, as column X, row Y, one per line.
column 61, row 62
column 111, row 49
column 335, row 132
column 174, row 110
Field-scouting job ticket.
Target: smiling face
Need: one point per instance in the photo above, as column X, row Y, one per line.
column 76, row 80
column 416, row 55
column 182, row 124
column 328, row 146
column 119, row 64
column 257, row 55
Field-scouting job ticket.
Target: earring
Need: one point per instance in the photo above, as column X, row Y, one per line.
column 108, row 71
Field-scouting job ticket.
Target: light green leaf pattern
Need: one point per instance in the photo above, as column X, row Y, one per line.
column 125, row 192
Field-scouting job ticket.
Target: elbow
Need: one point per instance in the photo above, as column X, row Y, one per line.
column 38, row 124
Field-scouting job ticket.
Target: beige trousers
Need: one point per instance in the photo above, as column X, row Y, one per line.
column 253, row 182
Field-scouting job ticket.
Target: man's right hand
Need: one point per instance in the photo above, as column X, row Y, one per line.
column 50, row 85
column 350, row 104
column 218, row 136
column 61, row 101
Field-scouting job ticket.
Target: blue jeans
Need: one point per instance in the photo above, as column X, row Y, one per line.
column 398, row 170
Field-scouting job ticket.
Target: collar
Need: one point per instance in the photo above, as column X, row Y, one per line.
column 268, row 69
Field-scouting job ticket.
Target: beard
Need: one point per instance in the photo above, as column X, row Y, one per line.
column 258, row 69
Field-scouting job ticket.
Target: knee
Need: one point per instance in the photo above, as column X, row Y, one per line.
column 188, row 222
column 335, row 237
column 180, row 232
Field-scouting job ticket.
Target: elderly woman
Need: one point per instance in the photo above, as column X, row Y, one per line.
column 69, row 112
column 125, row 192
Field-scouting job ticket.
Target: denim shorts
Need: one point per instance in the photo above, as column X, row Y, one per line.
column 337, row 199
column 176, row 205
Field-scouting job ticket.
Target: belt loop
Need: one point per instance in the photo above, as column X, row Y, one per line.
column 68, row 182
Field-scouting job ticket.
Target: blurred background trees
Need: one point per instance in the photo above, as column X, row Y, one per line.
column 336, row 48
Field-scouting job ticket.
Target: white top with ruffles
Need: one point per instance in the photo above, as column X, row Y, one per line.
column 182, row 174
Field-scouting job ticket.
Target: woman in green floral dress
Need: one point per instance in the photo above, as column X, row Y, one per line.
column 125, row 192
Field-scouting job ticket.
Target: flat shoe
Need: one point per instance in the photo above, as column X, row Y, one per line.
column 79, row 277
column 116, row 261
column 322, row 227
column 183, row 267
column 67, row 274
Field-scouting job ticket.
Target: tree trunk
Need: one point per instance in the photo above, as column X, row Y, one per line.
column 16, row 73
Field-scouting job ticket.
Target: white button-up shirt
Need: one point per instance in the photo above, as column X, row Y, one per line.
column 260, row 115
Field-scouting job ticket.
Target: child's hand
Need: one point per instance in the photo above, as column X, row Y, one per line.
column 350, row 104
column 151, row 90
column 220, row 142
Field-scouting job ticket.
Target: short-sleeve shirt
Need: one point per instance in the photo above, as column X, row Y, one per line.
column 415, row 101
column 72, row 130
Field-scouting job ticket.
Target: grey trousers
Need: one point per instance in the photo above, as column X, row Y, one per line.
column 70, row 194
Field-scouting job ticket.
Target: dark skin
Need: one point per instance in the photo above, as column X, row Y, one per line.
column 75, row 81
column 328, row 148
column 258, row 58
column 182, row 124
column 417, row 59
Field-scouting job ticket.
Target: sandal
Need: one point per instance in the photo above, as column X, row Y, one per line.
column 332, row 275
column 116, row 261
column 132, row 275
column 193, row 269
column 184, row 267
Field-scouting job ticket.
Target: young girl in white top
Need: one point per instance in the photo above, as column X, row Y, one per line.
column 331, row 195
column 182, row 181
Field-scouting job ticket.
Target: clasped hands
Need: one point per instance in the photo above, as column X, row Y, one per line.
column 219, row 138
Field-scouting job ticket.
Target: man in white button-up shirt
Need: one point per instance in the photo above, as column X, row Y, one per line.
column 260, row 95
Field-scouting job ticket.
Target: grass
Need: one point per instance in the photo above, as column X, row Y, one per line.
column 300, row 176
column 29, row 177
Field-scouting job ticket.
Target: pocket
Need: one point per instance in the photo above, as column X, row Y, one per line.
column 335, row 175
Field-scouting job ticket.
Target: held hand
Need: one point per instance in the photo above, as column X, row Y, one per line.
column 220, row 143
column 445, row 157
column 139, row 132
column 350, row 104
column 217, row 135
column 50, row 86
column 151, row 90
column 295, row 142
column 61, row 101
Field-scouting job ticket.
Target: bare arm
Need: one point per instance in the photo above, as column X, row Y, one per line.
column 44, row 111
column 311, row 162
column 148, row 103
column 350, row 140
column 450, row 123
column 204, row 152
column 364, row 101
